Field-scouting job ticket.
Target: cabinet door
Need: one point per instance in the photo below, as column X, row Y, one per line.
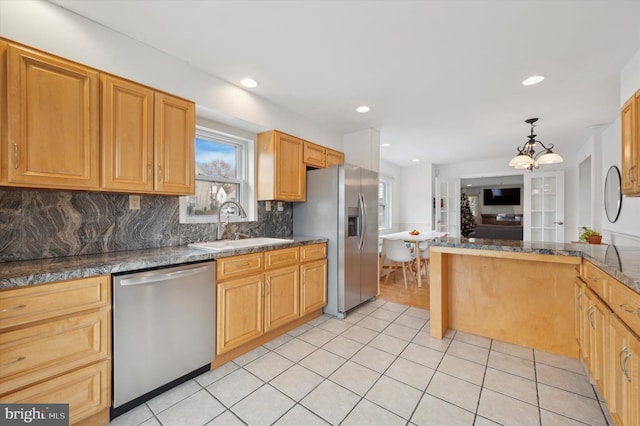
column 282, row 303
column 314, row 155
column 290, row 171
column 53, row 133
column 624, row 394
column 313, row 287
column 86, row 390
column 127, row 135
column 597, row 316
column 239, row 312
column 333, row 157
column 629, row 173
column 174, row 139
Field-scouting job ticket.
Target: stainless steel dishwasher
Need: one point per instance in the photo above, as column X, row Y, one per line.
column 163, row 330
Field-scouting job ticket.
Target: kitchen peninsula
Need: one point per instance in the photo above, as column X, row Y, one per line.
column 515, row 291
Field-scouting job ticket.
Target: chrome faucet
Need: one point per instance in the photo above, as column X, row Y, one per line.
column 235, row 203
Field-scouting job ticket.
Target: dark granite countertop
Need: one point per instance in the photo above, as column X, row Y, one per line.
column 29, row 272
column 623, row 263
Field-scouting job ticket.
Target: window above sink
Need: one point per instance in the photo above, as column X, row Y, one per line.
column 224, row 172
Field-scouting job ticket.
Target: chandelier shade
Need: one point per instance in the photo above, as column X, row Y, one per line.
column 527, row 158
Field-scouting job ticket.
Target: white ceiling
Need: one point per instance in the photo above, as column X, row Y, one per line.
column 442, row 78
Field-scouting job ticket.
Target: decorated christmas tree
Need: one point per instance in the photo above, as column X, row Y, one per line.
column 467, row 221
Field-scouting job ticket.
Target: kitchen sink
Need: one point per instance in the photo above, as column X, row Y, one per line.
column 238, row 244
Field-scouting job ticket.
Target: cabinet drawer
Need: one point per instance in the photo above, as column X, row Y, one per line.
column 595, row 279
column 86, row 390
column 626, row 304
column 34, row 303
column 31, row 354
column 312, row 252
column 236, row 266
column 283, row 257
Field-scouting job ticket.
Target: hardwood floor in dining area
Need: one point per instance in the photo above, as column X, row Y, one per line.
column 413, row 295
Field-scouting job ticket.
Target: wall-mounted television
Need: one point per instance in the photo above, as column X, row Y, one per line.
column 502, row 196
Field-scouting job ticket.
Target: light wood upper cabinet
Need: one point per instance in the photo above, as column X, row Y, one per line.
column 281, row 171
column 67, row 126
column 321, row 157
column 630, row 123
column 333, row 157
column 148, row 140
column 52, row 114
column 314, row 155
column 127, row 135
column 174, row 139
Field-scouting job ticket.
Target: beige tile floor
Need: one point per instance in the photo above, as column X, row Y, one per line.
column 379, row 366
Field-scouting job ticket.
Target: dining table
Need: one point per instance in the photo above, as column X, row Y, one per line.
column 414, row 239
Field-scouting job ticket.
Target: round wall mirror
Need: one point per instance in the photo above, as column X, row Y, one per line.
column 612, row 194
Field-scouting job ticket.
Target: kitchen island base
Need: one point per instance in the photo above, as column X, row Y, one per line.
column 521, row 298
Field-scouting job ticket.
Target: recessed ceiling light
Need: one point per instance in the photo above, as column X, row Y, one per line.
column 415, row 160
column 363, row 108
column 249, row 82
column 385, row 145
column 534, row 79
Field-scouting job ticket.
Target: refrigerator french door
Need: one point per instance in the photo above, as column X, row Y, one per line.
column 342, row 206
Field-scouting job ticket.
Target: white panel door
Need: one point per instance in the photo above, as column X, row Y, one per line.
column 447, row 209
column 544, row 207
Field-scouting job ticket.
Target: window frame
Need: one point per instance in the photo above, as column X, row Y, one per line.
column 245, row 177
column 387, row 182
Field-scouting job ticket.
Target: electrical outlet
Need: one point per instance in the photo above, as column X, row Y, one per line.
column 267, row 206
column 134, row 202
column 280, row 206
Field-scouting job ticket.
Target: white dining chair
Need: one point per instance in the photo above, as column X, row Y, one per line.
column 398, row 254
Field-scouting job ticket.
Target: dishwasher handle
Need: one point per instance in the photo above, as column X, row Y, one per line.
column 157, row 277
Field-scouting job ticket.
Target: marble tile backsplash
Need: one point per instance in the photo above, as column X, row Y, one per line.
column 38, row 224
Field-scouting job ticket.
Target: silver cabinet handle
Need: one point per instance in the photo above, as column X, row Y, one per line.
column 590, row 316
column 13, row 309
column 579, row 299
column 626, row 308
column 622, row 362
column 13, row 362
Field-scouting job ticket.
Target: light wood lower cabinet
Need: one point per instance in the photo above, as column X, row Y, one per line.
column 239, row 312
column 55, row 345
column 313, row 293
column 259, row 293
column 313, row 277
column 609, row 345
column 623, row 398
column 281, row 297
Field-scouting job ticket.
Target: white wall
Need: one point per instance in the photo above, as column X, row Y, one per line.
column 416, row 197
column 53, row 29
column 362, row 148
column 626, row 230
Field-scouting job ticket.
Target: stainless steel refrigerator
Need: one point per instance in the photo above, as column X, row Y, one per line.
column 342, row 206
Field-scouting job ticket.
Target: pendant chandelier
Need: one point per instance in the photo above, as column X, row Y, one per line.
column 527, row 157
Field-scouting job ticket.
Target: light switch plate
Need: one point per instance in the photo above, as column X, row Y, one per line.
column 134, row 202
column 267, row 206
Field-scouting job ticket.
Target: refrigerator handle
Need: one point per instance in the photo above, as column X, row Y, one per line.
column 363, row 221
